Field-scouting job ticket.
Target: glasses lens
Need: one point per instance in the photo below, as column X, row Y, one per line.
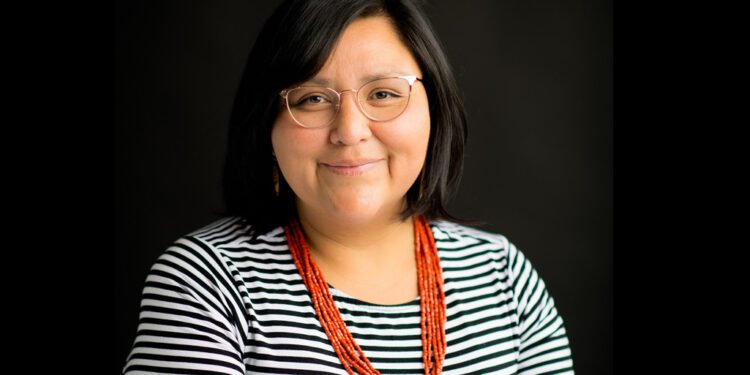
column 312, row 107
column 384, row 99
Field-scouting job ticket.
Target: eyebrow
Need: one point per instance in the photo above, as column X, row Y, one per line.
column 326, row 82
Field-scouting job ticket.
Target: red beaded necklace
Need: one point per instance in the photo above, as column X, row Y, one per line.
column 432, row 301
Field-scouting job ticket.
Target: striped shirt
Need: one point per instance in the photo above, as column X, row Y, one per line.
column 217, row 302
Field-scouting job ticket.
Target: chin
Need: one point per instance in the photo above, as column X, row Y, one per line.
column 361, row 208
column 356, row 212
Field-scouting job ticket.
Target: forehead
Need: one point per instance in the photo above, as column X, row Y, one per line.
column 367, row 49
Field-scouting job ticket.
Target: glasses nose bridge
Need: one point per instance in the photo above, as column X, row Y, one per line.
column 340, row 95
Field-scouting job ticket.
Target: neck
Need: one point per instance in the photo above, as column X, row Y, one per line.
column 375, row 244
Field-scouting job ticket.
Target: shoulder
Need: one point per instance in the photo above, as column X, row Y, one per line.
column 464, row 245
column 219, row 245
column 232, row 232
column 449, row 235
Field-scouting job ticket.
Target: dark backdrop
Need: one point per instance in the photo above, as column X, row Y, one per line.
column 537, row 81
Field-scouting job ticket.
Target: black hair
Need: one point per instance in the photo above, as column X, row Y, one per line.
column 293, row 46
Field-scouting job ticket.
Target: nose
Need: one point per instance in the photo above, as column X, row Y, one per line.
column 351, row 126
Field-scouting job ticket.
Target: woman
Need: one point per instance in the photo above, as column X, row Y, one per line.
column 337, row 255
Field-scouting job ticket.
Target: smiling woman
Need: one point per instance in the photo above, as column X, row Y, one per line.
column 354, row 173
column 337, row 254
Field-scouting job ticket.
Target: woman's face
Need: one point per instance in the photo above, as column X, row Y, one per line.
column 397, row 148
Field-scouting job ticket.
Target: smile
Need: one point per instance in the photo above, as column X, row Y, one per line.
column 352, row 170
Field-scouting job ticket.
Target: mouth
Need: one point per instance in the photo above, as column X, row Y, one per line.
column 352, row 167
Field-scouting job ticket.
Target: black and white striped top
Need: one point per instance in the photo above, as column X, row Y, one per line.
column 216, row 302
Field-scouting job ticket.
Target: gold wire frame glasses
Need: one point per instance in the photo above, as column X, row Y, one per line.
column 382, row 99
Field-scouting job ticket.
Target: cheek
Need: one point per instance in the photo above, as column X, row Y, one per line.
column 419, row 117
column 407, row 141
column 413, row 130
column 296, row 149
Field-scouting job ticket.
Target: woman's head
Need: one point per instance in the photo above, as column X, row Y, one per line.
column 345, row 42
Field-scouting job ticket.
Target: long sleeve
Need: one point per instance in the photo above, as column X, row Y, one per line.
column 187, row 321
column 544, row 344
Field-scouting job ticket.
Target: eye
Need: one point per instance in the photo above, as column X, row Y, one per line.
column 380, row 95
column 312, row 99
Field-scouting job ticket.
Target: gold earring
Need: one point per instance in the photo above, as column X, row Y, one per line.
column 276, row 179
column 421, row 182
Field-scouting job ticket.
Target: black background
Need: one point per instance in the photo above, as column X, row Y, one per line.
column 537, row 82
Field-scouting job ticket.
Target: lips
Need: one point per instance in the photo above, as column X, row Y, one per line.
column 351, row 163
column 352, row 167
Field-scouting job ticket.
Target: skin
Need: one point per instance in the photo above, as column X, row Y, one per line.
column 351, row 222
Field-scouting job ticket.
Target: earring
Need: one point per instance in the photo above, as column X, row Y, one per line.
column 421, row 182
column 276, row 179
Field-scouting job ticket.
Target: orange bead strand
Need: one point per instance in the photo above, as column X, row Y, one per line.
column 431, row 292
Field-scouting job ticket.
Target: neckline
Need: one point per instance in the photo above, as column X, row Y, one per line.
column 399, row 307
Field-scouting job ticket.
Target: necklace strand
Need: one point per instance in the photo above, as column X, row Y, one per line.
column 431, row 293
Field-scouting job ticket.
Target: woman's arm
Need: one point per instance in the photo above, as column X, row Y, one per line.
column 544, row 343
column 187, row 321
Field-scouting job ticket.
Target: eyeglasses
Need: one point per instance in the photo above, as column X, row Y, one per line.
column 382, row 99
